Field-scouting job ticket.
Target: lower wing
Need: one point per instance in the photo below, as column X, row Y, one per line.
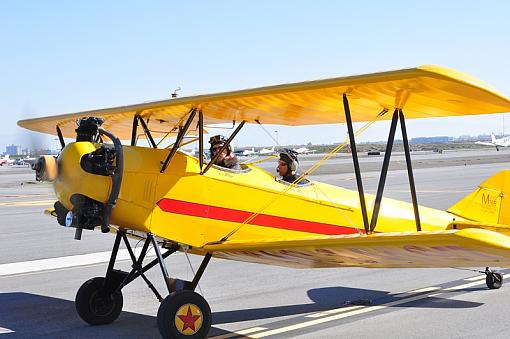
column 468, row 247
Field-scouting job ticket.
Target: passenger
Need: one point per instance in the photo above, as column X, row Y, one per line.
column 287, row 165
column 227, row 159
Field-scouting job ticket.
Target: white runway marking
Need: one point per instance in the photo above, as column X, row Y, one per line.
column 4, row 330
column 28, row 203
column 478, row 277
column 337, row 316
column 345, row 312
column 239, row 333
column 334, row 311
column 460, row 287
column 421, row 290
column 61, row 262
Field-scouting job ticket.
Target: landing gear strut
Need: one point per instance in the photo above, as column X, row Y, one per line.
column 493, row 279
column 182, row 314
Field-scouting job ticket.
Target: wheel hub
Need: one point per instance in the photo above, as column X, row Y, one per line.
column 188, row 319
column 101, row 304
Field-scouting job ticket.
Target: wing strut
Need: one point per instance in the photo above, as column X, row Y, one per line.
column 409, row 170
column 133, row 131
column 384, row 171
column 397, row 114
column 201, row 139
column 180, row 136
column 61, row 137
column 354, row 153
column 147, row 131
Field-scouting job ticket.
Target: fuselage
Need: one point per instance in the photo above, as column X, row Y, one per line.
column 503, row 142
column 184, row 206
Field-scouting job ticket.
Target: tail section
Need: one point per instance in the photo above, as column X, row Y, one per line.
column 493, row 138
column 489, row 203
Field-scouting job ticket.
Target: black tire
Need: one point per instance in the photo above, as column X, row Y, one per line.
column 494, row 280
column 176, row 303
column 94, row 306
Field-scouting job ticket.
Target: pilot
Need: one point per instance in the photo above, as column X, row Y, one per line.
column 227, row 159
column 287, row 165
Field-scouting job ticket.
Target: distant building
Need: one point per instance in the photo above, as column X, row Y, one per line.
column 45, row 152
column 13, row 150
column 423, row 140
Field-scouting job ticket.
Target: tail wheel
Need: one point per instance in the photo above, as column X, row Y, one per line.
column 96, row 306
column 494, row 280
column 184, row 314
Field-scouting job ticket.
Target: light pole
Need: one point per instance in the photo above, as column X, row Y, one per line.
column 277, row 143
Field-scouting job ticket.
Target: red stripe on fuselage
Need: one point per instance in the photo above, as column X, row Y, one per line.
column 232, row 215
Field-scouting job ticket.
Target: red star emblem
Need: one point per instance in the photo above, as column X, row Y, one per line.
column 189, row 320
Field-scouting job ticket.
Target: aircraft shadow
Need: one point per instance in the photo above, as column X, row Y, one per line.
column 29, row 315
column 328, row 298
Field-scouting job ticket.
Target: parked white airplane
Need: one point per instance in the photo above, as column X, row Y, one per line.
column 248, row 152
column 191, row 151
column 501, row 142
column 266, row 151
column 304, row 150
column 5, row 160
column 27, row 160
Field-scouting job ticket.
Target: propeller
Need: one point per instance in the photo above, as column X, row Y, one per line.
column 46, row 168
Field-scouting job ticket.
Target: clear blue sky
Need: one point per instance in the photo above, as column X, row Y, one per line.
column 67, row 56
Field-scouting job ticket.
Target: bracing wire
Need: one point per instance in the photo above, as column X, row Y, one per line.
column 181, row 120
column 295, row 182
column 192, row 270
column 346, row 217
column 269, row 157
column 267, row 132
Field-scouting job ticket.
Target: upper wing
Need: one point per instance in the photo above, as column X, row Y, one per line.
column 422, row 92
column 452, row 248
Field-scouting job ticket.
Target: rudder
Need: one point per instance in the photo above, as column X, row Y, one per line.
column 489, row 203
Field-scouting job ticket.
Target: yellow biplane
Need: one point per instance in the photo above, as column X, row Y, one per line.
column 180, row 202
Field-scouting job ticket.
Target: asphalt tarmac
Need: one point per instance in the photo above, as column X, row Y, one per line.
column 249, row 300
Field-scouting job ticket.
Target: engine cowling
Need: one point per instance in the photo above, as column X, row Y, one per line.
column 82, row 194
column 74, row 180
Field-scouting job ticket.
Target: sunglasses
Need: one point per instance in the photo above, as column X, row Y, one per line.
column 216, row 149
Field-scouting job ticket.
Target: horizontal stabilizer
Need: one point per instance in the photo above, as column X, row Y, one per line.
column 460, row 225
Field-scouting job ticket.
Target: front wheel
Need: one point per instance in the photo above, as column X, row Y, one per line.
column 96, row 306
column 184, row 314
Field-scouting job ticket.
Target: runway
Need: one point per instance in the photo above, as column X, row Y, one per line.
column 42, row 267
